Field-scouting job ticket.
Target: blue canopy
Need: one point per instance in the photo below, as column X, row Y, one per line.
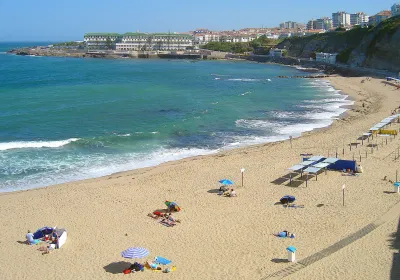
column 161, row 260
column 40, row 233
column 226, row 182
column 287, row 199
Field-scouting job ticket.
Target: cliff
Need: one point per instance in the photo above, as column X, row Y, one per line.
column 377, row 47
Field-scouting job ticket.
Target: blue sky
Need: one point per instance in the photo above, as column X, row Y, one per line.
column 45, row 20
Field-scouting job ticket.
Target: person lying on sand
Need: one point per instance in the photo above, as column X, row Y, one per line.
column 284, row 233
column 170, row 220
column 47, row 249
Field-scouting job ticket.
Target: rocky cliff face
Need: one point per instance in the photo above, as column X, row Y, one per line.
column 377, row 48
column 381, row 48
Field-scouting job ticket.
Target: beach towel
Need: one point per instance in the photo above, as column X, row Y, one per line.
column 294, row 206
column 165, row 224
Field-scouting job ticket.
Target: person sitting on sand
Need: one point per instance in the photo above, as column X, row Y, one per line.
column 284, row 233
column 30, row 239
column 230, row 193
column 170, row 220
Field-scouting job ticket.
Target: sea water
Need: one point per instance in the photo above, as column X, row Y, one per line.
column 66, row 119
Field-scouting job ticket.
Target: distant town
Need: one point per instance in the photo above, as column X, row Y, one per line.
column 191, row 40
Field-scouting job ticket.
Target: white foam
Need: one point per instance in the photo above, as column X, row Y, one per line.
column 35, row 144
column 297, row 129
column 255, row 124
column 88, row 166
column 244, row 80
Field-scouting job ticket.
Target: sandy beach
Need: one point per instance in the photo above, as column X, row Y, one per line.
column 219, row 237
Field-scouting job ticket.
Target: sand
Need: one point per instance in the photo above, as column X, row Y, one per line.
column 220, row 238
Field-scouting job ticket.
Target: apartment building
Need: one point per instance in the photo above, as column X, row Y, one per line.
column 101, row 41
column 359, row 18
column 290, row 25
column 204, row 38
column 154, row 41
column 379, row 17
column 324, row 23
column 395, row 9
column 340, row 19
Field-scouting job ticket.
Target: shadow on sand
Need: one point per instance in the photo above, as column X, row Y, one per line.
column 280, row 260
column 395, row 244
column 117, row 267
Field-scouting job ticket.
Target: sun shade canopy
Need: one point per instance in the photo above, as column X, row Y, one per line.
column 312, row 169
column 296, row 167
column 331, row 160
column 321, row 164
column 307, row 162
column 316, row 158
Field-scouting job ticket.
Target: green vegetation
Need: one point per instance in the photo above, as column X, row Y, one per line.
column 261, row 45
column 109, row 43
column 344, row 55
column 387, row 27
column 69, row 44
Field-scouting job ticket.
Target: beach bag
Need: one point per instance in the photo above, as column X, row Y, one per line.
column 127, row 271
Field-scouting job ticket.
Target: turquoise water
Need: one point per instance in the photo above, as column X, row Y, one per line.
column 65, row 119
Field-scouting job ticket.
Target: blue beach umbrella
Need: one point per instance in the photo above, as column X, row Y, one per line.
column 135, row 252
column 226, row 182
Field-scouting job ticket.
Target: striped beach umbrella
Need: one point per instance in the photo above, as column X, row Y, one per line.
column 135, row 252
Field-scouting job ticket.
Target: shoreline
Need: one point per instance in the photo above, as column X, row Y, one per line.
column 218, row 235
column 221, row 150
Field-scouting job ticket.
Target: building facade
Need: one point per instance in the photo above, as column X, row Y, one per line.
column 359, row 19
column 323, row 23
column 138, row 41
column 276, row 52
column 101, row 41
column 290, row 25
column 311, row 24
column 326, row 57
column 379, row 17
column 395, row 9
column 340, row 19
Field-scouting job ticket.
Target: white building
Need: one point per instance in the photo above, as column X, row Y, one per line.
column 323, row 23
column 285, row 35
column 154, row 41
column 396, row 10
column 359, row 19
column 101, row 41
column 237, row 38
column 340, row 19
column 272, row 36
column 326, row 57
column 276, row 52
column 204, row 38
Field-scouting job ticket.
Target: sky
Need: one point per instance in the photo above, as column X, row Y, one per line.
column 50, row 20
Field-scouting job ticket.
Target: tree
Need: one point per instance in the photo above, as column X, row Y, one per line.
column 109, row 43
column 340, row 28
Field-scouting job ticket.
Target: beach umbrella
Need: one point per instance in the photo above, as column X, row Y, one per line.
column 226, row 182
column 135, row 252
column 171, row 204
column 287, row 199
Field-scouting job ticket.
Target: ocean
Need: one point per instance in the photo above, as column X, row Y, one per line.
column 67, row 119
